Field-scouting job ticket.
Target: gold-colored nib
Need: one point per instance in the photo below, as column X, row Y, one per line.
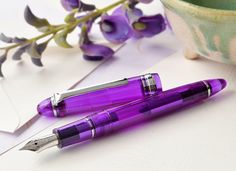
column 41, row 144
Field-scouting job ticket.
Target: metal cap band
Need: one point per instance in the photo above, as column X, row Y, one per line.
column 149, row 84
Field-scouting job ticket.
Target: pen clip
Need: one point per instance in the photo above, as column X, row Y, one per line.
column 58, row 97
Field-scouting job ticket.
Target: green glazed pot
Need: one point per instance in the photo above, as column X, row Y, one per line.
column 206, row 27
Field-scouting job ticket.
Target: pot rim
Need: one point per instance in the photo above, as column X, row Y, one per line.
column 196, row 9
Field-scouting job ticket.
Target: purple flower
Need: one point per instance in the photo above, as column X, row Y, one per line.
column 92, row 51
column 96, row 52
column 148, row 26
column 130, row 14
column 69, row 5
column 142, row 26
column 115, row 28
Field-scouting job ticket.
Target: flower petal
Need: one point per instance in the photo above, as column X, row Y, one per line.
column 149, row 26
column 3, row 58
column 87, row 7
column 121, row 10
column 145, row 1
column 131, row 15
column 70, row 4
column 115, row 28
column 96, row 52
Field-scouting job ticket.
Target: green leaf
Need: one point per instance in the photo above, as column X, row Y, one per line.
column 71, row 16
column 5, row 38
column 19, row 52
column 44, row 29
column 2, row 60
column 35, row 54
column 31, row 19
column 1, row 74
column 37, row 62
column 42, row 47
column 60, row 38
column 32, row 50
column 87, row 7
column 19, row 40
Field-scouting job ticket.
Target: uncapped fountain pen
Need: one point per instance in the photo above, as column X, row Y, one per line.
column 134, row 112
column 100, row 97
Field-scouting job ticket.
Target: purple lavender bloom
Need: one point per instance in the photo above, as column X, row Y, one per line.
column 148, row 26
column 96, row 52
column 115, row 28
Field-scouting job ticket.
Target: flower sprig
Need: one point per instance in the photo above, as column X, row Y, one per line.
column 125, row 22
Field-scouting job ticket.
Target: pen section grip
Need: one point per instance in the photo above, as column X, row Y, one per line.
column 73, row 133
column 85, row 129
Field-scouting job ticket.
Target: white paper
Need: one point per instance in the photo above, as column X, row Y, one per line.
column 11, row 119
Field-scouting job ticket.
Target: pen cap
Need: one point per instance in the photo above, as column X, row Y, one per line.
column 101, row 97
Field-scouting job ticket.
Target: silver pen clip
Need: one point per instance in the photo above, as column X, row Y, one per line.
column 58, row 97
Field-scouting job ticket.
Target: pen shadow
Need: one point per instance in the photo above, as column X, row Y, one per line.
column 98, row 143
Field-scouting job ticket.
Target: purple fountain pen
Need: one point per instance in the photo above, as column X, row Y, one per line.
column 105, row 122
column 100, row 97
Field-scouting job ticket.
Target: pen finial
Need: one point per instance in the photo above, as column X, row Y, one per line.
column 216, row 85
column 41, row 144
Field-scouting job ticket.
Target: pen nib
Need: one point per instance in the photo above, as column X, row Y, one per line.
column 41, row 144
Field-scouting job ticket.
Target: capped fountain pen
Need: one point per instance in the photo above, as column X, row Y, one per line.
column 100, row 97
column 134, row 112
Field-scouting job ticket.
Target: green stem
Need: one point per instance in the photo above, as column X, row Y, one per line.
column 69, row 25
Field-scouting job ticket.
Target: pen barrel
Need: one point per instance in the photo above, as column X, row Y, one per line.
column 112, row 94
column 130, row 114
